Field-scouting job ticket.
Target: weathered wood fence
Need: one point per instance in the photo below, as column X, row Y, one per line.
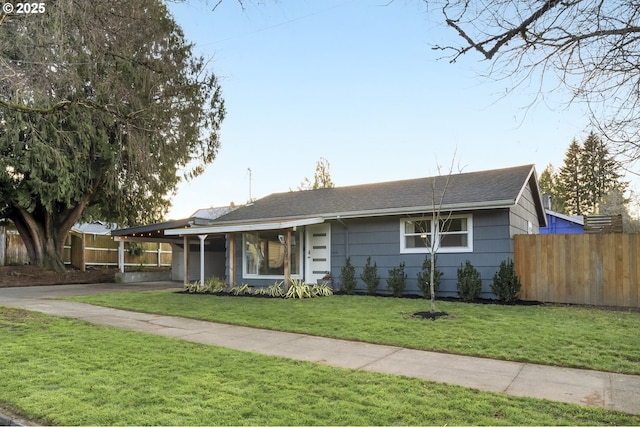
column 592, row 269
column 12, row 249
column 82, row 250
column 94, row 249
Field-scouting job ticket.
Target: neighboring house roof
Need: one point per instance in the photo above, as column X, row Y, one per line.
column 96, row 227
column 213, row 213
column 576, row 219
column 499, row 188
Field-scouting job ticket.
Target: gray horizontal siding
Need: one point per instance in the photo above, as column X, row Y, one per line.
column 523, row 214
column 380, row 239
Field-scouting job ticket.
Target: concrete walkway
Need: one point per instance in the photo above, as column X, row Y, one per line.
column 584, row 387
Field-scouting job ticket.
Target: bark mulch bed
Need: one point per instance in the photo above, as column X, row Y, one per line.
column 28, row 275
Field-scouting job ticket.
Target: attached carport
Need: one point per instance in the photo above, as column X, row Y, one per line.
column 228, row 232
column 183, row 248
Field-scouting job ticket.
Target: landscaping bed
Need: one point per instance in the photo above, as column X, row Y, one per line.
column 29, row 275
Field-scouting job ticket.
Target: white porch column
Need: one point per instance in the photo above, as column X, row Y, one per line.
column 121, row 256
column 185, row 257
column 231, row 254
column 202, row 238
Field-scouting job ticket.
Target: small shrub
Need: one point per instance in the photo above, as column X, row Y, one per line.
column 469, row 282
column 370, row 276
column 506, row 284
column 298, row 289
column 135, row 249
column 397, row 280
column 424, row 277
column 348, row 277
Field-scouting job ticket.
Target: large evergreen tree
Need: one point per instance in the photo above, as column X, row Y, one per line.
column 570, row 180
column 103, row 109
column 550, row 185
column 599, row 173
column 588, row 174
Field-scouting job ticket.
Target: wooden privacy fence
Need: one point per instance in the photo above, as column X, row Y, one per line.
column 94, row 249
column 12, row 249
column 83, row 250
column 592, row 269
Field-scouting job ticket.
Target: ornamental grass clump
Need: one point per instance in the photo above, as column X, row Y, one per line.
column 469, row 282
column 298, row 289
column 210, row 286
column 506, row 283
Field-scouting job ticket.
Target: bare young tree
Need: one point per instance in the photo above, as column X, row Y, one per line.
column 591, row 47
column 432, row 226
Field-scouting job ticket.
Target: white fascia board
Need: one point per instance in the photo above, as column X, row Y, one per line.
column 413, row 210
column 145, row 239
column 235, row 227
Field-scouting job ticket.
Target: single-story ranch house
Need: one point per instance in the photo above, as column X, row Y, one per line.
column 309, row 234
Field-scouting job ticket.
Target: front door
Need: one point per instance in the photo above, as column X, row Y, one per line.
column 317, row 252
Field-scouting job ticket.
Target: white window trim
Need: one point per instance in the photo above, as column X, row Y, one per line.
column 443, row 249
column 265, row 276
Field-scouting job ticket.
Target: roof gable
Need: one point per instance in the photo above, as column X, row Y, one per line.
column 474, row 190
column 576, row 219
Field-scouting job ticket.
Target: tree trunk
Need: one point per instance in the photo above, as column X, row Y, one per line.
column 44, row 234
column 432, row 287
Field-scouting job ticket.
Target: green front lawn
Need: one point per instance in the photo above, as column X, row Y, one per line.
column 563, row 336
column 66, row 372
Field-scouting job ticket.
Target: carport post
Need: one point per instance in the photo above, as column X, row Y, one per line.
column 185, row 238
column 121, row 256
column 202, row 237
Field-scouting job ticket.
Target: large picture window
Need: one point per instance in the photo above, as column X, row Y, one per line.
column 263, row 253
column 452, row 234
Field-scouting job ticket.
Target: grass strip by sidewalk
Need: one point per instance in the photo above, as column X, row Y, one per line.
column 552, row 335
column 66, row 372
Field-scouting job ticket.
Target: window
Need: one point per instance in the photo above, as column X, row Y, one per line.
column 453, row 234
column 263, row 254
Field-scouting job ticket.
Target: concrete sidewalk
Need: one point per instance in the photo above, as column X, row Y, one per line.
column 584, row 387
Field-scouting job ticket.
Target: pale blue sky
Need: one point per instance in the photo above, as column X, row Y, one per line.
column 357, row 83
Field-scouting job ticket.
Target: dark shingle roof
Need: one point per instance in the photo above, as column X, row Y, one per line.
column 493, row 188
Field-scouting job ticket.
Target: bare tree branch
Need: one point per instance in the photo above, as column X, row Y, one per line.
column 590, row 47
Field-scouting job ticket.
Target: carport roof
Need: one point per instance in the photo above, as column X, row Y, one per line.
column 156, row 231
